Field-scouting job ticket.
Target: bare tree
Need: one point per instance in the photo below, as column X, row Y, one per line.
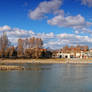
column 20, row 48
column 4, row 44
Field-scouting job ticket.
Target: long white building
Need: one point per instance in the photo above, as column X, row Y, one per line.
column 72, row 55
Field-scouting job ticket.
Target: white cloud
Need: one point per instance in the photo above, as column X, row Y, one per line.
column 5, row 27
column 51, row 40
column 83, row 30
column 15, row 33
column 69, row 39
column 69, row 21
column 87, row 2
column 46, row 7
column 78, row 23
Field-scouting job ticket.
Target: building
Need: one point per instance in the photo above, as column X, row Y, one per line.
column 74, row 52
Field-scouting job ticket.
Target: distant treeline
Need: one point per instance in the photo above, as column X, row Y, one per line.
column 26, row 48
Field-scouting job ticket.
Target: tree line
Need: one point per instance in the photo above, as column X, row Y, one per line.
column 26, row 48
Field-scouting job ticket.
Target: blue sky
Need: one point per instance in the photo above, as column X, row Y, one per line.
column 57, row 22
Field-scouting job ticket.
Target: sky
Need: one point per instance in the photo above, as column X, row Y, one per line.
column 57, row 22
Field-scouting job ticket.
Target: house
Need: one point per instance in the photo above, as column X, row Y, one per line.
column 64, row 55
column 73, row 52
column 54, row 53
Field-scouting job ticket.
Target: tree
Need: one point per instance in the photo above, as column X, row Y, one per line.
column 12, row 52
column 20, row 49
column 29, row 47
column 4, row 44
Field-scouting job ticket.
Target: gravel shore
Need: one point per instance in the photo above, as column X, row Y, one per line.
column 46, row 61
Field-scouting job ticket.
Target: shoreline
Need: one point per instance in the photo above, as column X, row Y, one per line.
column 46, row 61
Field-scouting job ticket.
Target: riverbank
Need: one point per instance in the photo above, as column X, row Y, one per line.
column 23, row 61
column 45, row 61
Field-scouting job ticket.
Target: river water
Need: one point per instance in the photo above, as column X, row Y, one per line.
column 48, row 78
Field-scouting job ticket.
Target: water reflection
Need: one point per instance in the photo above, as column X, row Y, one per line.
column 48, row 78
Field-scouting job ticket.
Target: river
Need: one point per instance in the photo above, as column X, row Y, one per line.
column 48, row 78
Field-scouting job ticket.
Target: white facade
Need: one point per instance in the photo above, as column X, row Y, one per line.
column 64, row 55
column 78, row 54
column 72, row 55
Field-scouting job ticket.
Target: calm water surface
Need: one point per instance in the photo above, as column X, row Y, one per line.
column 48, row 78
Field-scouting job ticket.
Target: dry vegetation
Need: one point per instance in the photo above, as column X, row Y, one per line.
column 26, row 48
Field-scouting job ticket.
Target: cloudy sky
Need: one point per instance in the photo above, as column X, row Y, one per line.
column 57, row 22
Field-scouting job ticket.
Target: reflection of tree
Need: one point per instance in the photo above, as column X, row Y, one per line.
column 39, row 77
